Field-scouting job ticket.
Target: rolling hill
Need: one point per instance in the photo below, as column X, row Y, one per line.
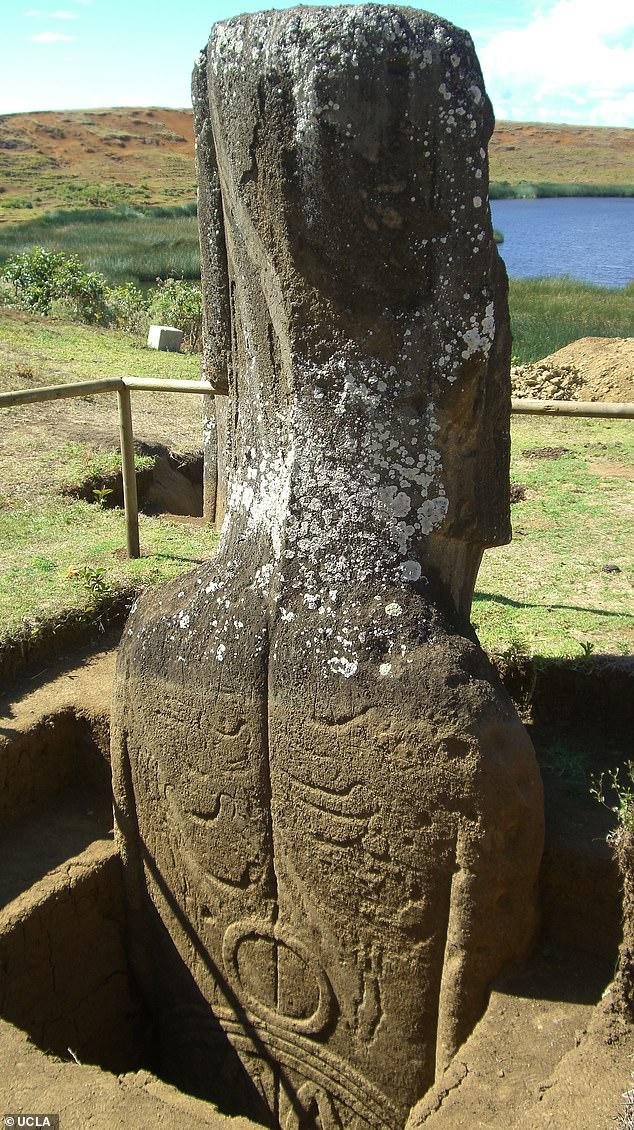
column 95, row 158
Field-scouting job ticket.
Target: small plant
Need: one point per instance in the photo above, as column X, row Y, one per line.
column 614, row 789
column 586, row 646
column 94, row 583
column 100, row 494
column 24, row 372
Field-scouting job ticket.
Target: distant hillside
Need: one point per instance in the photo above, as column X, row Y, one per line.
column 94, row 158
column 555, row 154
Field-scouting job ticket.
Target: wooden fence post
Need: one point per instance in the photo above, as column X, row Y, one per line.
column 128, row 470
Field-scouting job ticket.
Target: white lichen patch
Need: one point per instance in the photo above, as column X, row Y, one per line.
column 411, row 570
column 337, row 473
column 340, row 665
column 479, row 339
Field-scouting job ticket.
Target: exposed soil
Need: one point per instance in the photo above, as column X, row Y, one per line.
column 551, row 1051
column 536, row 1023
column 173, row 485
column 60, row 634
column 592, row 368
column 170, row 420
column 85, row 1096
column 545, row 452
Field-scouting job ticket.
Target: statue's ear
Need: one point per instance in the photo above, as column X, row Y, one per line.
column 213, row 252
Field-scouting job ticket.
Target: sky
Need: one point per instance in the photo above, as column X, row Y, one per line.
column 543, row 60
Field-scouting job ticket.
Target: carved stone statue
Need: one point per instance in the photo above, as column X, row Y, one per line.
column 329, row 813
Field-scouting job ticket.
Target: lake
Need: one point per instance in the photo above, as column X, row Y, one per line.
column 590, row 238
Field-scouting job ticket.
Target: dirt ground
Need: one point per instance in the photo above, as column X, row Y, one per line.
column 170, row 419
column 592, row 368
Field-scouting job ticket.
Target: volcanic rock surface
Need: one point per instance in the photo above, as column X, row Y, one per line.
column 329, row 813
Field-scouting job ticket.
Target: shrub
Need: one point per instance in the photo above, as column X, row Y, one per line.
column 35, row 277
column 40, row 278
column 127, row 307
column 83, row 293
column 179, row 303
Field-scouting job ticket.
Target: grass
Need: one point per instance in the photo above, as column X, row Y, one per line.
column 125, row 244
column 61, row 556
column 545, row 593
column 547, row 314
column 532, row 190
column 40, row 351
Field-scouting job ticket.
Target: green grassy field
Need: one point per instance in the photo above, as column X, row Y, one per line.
column 547, row 314
column 37, row 350
column 124, row 244
column 532, row 190
column 61, row 556
column 546, row 592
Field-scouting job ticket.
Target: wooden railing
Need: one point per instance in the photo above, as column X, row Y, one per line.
column 123, row 385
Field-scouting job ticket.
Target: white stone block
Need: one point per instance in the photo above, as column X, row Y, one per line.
column 165, row 337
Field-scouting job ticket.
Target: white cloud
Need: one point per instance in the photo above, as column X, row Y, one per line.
column 52, row 37
column 36, row 14
column 573, row 62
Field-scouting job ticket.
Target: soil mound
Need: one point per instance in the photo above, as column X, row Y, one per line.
column 592, row 368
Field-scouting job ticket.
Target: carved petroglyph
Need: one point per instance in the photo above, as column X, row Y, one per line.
column 281, row 940
column 312, row 1101
column 329, row 814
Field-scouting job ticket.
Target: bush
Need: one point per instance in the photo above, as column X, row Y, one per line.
column 35, row 278
column 127, row 307
column 83, row 293
column 40, row 278
column 179, row 303
column 7, row 293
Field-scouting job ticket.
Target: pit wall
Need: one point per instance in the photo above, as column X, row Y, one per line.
column 63, row 966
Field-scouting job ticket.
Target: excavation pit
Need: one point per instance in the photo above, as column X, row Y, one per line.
column 172, row 485
column 67, row 994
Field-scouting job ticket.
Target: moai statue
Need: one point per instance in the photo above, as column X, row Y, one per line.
column 329, row 812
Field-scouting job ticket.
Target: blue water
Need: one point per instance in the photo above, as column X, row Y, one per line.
column 590, row 238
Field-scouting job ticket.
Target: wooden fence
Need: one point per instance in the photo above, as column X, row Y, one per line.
column 123, row 386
